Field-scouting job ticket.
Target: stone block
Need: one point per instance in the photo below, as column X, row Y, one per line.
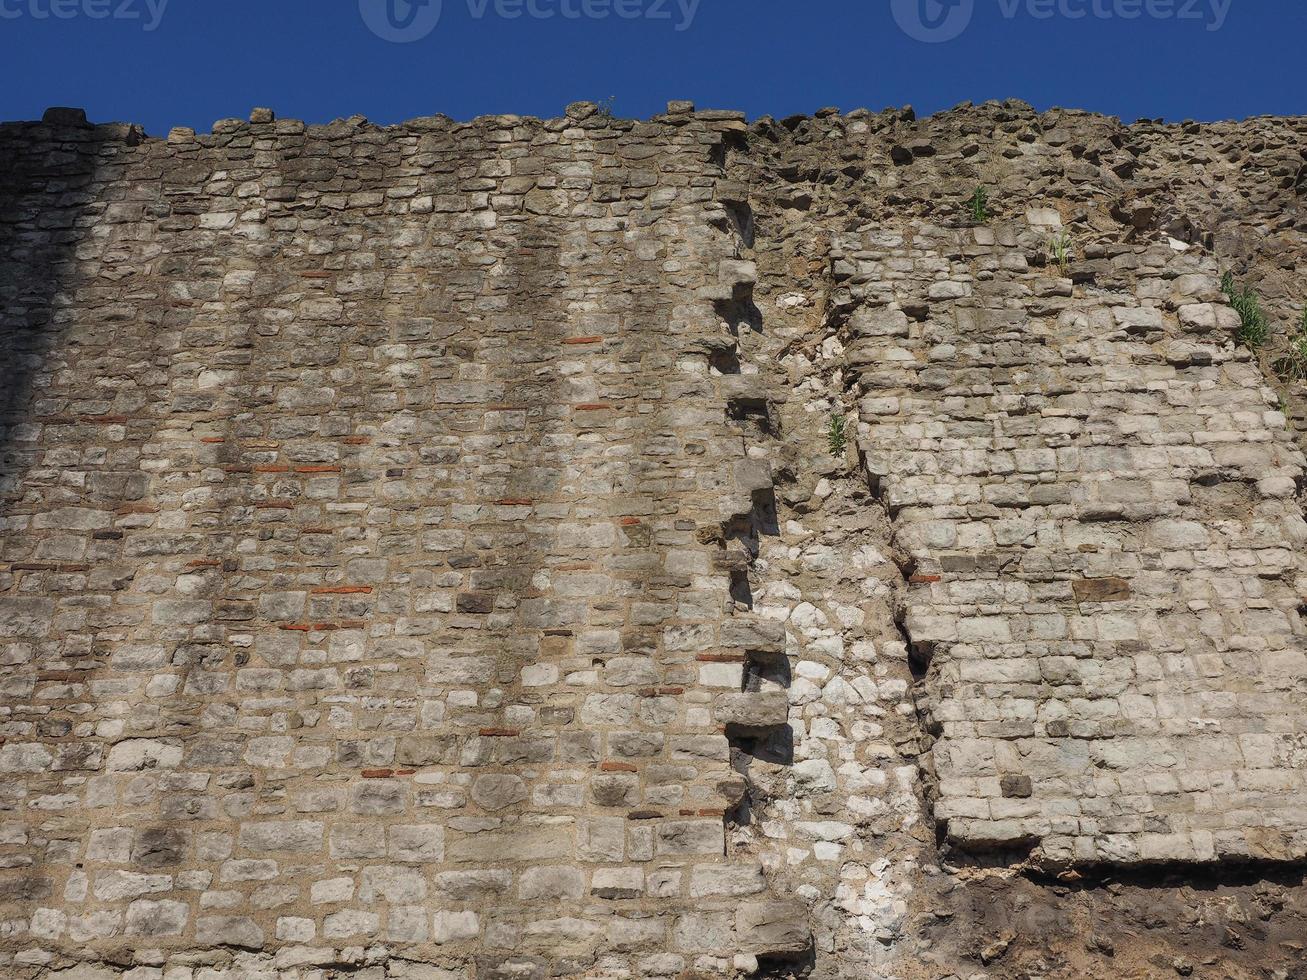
column 752, row 712
column 228, row 930
column 291, row 836
column 773, row 928
column 156, row 919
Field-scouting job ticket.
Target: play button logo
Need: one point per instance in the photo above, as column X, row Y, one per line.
column 933, row 21
column 401, row 21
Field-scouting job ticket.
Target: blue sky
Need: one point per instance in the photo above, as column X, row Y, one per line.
column 165, row 63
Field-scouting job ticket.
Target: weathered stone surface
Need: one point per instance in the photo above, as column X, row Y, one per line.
column 1101, row 590
column 498, row 792
column 755, row 635
column 1037, row 588
column 753, row 712
column 530, row 548
column 772, row 928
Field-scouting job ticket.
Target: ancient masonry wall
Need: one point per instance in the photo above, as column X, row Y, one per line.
column 356, row 581
column 426, row 554
column 1104, row 547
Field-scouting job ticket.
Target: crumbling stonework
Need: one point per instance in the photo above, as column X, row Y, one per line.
column 1097, row 500
column 434, row 552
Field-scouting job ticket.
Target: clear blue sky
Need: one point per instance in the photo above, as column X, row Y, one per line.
column 318, row 60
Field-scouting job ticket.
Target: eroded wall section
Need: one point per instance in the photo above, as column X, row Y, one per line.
column 1097, row 494
column 1090, row 500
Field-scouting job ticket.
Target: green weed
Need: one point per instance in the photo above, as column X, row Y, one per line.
column 835, row 436
column 1254, row 329
column 1063, row 249
column 1292, row 365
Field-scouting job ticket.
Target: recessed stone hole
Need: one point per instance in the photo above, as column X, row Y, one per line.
column 874, row 486
column 916, row 310
column 781, row 966
column 743, row 531
column 765, row 516
column 741, row 408
column 740, row 314
column 742, row 215
column 754, row 410
column 741, row 590
column 775, row 747
column 920, row 654
column 986, row 854
column 740, row 815
column 725, row 361
column 919, row 658
column 743, row 752
column 764, row 671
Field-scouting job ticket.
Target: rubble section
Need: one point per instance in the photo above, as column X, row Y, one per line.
column 1233, row 189
column 935, row 339
column 835, row 808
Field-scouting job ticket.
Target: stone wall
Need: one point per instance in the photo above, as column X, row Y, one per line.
column 426, row 552
column 947, row 345
column 355, row 589
column 1097, row 499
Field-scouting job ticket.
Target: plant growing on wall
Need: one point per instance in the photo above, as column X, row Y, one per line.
column 978, row 206
column 1293, row 364
column 835, row 436
column 1062, row 249
column 1254, row 328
